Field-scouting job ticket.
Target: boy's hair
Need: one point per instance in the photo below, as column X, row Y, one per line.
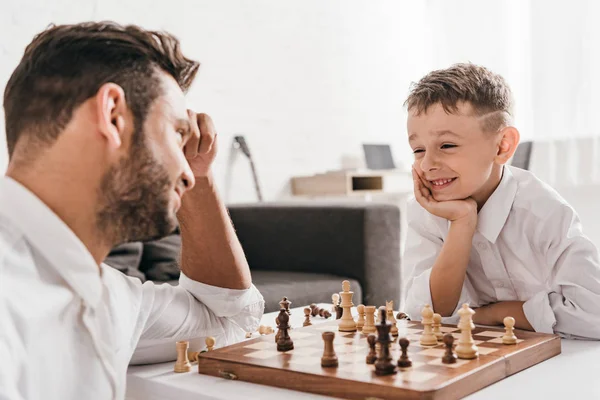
column 487, row 92
column 66, row 64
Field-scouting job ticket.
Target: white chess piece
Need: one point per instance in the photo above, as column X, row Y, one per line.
column 437, row 323
column 509, row 336
column 466, row 348
column 369, row 326
column 335, row 299
column 346, row 323
column 427, row 337
column 389, row 307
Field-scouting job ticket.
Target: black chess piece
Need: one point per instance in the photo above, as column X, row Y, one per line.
column 404, row 361
column 338, row 312
column 285, row 303
column 450, row 356
column 284, row 343
column 372, row 356
column 384, row 364
column 402, row 315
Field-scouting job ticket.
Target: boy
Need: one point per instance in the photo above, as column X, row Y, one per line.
column 482, row 232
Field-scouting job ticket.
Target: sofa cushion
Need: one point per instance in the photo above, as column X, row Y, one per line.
column 301, row 288
column 126, row 258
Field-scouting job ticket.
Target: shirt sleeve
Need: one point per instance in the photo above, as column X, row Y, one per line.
column 570, row 304
column 193, row 311
column 423, row 246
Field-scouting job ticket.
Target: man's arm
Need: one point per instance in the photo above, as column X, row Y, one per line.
column 210, row 250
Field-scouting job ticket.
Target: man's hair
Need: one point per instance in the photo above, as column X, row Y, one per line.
column 487, row 92
column 67, row 64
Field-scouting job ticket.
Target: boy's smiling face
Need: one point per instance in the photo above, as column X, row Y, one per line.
column 453, row 154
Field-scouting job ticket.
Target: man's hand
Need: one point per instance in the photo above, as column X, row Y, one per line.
column 201, row 148
column 452, row 210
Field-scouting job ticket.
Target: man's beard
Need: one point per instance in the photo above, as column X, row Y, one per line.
column 134, row 199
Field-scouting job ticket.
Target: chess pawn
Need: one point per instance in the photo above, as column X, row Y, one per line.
column 285, row 303
column 335, row 299
column 210, row 343
column 307, row 317
column 372, row 356
column 427, row 337
column 509, row 336
column 183, row 363
column 369, row 326
column 466, row 348
column 361, row 317
column 390, row 317
column 329, row 358
column 437, row 324
column 346, row 323
column 284, row 343
column 449, row 357
column 404, row 361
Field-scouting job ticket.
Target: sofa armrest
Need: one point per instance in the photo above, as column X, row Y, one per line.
column 356, row 240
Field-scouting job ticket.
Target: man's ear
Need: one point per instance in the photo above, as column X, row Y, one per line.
column 112, row 113
column 509, row 140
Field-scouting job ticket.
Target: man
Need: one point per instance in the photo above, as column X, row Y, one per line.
column 101, row 152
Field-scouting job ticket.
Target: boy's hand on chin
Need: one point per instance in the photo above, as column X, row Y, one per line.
column 456, row 211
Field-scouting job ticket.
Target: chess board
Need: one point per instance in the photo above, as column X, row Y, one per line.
column 258, row 361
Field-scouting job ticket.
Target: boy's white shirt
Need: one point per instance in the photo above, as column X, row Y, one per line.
column 69, row 330
column 529, row 246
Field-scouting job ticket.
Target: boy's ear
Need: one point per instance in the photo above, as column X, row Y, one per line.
column 111, row 111
column 509, row 140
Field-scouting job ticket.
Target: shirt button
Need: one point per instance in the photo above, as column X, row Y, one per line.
column 481, row 246
column 500, row 284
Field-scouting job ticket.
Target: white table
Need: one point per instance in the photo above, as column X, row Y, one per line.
column 574, row 374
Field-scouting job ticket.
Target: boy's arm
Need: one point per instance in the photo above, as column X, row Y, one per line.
column 494, row 314
column 570, row 303
column 449, row 269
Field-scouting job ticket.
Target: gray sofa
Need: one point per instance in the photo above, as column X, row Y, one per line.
column 299, row 250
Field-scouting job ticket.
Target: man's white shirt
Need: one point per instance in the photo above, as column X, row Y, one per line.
column 529, row 246
column 69, row 329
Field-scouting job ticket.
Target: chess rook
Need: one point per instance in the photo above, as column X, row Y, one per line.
column 369, row 326
column 346, row 323
column 466, row 348
column 183, row 363
column 427, row 337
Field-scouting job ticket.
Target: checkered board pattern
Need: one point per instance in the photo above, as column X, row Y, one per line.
column 259, row 361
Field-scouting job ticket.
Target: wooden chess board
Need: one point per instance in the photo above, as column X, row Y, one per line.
column 258, row 361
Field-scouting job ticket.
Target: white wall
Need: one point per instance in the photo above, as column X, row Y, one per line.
column 307, row 82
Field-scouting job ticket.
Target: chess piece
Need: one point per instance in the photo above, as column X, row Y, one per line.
column 265, row 330
column 329, row 358
column 183, row 363
column 404, row 361
column 369, row 326
column 466, row 348
column 402, row 315
column 321, row 312
column 437, row 324
column 284, row 343
column 346, row 323
column 285, row 303
column 372, row 356
column 192, row 356
column 307, row 317
column 509, row 336
column 390, row 317
column 278, row 331
column 361, row 317
column 449, row 357
column 335, row 299
column 427, row 337
column 210, row 343
column 339, row 311
column 384, row 364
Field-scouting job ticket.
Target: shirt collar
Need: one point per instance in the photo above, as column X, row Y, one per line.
column 492, row 216
column 53, row 238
